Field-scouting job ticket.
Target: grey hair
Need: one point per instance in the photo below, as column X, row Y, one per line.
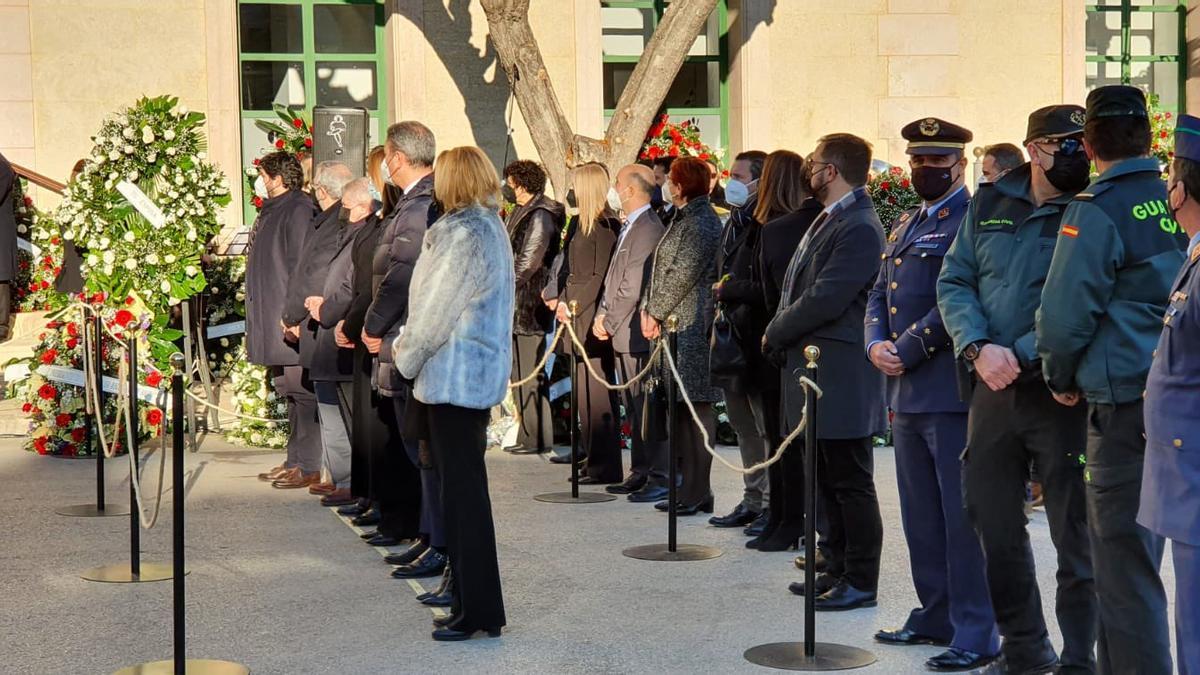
column 414, row 140
column 332, row 177
column 356, row 192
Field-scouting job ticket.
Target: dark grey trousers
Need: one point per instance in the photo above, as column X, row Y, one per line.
column 536, row 428
column 304, row 447
column 647, row 458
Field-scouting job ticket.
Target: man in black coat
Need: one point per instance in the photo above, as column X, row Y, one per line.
column 276, row 241
column 328, row 181
column 823, row 303
column 8, row 241
column 534, row 230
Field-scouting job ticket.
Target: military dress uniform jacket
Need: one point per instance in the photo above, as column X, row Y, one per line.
column 1107, row 289
column 902, row 307
column 990, row 285
column 1171, row 482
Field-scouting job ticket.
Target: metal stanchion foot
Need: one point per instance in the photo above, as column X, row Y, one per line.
column 119, row 573
column 826, row 656
column 568, row 498
column 90, row 510
column 663, row 552
column 191, row 667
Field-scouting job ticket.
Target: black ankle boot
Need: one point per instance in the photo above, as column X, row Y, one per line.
column 784, row 538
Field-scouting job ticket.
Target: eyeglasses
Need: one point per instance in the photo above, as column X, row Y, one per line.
column 1067, row 146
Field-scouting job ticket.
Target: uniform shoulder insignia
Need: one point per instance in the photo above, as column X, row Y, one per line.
column 1085, row 196
column 905, row 216
column 1094, row 190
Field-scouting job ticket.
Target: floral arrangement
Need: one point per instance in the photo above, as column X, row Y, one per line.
column 23, row 209
column 292, row 133
column 253, row 394
column 669, row 139
column 224, row 302
column 34, row 287
column 893, row 194
column 1162, row 132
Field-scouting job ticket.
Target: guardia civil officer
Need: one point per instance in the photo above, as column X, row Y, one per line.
column 988, row 292
column 907, row 341
column 1171, row 481
column 1117, row 253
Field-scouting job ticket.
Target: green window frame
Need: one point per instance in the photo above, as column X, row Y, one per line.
column 309, row 57
column 721, row 58
column 1126, row 9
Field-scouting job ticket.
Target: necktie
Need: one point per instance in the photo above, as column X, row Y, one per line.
column 916, row 224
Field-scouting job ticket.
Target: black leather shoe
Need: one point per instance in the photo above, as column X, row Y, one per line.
column 449, row 634
column 444, row 595
column 823, row 584
column 737, row 518
column 429, row 564
column 705, row 505
column 407, row 556
column 523, row 450
column 822, row 563
column 367, row 519
column 844, row 597
column 630, row 486
column 382, row 540
column 369, row 534
column 648, row 493
column 905, row 636
column 356, row 509
column 1045, row 662
column 957, row 659
column 443, row 621
column 759, row 525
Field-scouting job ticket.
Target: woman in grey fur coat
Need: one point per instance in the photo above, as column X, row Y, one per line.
column 456, row 347
column 681, row 285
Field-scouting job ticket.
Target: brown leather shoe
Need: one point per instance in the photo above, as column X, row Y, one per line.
column 295, row 479
column 340, row 497
column 321, row 489
column 272, row 474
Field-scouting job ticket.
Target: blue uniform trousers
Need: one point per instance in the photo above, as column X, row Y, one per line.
column 947, row 560
column 1187, row 606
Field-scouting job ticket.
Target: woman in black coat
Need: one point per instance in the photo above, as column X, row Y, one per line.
column 589, row 251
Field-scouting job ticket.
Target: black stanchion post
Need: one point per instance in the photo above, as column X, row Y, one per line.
column 93, row 365
column 810, row 655
column 135, row 527
column 574, row 496
column 673, row 550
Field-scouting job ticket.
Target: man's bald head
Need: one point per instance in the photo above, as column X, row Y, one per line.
column 635, row 186
column 356, row 196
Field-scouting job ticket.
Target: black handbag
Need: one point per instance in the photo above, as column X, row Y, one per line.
column 726, row 360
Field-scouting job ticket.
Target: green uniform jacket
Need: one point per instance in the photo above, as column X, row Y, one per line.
column 991, row 281
column 1118, row 252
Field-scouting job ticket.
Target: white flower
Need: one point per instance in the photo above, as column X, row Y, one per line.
column 169, row 258
column 152, row 157
column 224, row 342
column 190, row 270
column 133, row 176
column 130, row 264
column 183, row 110
column 147, row 135
column 152, row 259
column 21, row 229
column 129, row 236
column 171, row 151
column 202, row 155
column 128, row 149
column 165, row 287
column 114, row 155
column 93, row 259
column 169, row 134
column 172, row 301
column 127, row 133
column 109, row 258
column 191, row 235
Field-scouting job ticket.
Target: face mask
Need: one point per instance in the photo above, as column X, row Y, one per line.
column 316, row 201
column 931, row 182
column 817, row 190
column 737, row 193
column 344, row 214
column 1070, row 173
column 668, row 194
column 614, row 199
column 507, row 192
column 260, row 187
column 387, row 176
column 656, row 197
column 375, row 196
column 572, row 202
column 1173, row 210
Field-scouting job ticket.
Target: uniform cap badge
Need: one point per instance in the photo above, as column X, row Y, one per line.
column 930, row 127
column 1078, row 118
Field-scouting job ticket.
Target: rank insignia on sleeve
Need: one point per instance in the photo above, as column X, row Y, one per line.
column 944, row 213
column 1070, row 231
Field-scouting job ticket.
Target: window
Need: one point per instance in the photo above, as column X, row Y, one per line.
column 307, row 53
column 1139, row 42
column 700, row 90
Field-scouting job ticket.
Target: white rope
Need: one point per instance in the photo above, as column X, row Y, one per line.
column 804, row 382
column 230, row 412
column 587, row 362
column 542, row 363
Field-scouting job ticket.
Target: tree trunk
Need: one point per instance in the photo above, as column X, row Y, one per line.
column 559, row 148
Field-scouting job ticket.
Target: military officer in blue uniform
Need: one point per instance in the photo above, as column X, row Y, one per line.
column 907, row 341
column 1117, row 252
column 1170, row 496
column 989, row 290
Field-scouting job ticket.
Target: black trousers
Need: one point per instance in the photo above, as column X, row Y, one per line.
column 457, row 441
column 304, row 446
column 414, row 428
column 364, row 424
column 846, row 481
column 647, row 458
column 694, row 461
column 536, row 428
column 1134, row 635
column 396, row 481
column 599, row 423
column 1005, row 430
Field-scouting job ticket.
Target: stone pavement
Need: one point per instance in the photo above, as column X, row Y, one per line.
column 285, row 586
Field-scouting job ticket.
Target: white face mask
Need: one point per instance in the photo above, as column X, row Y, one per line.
column 260, row 187
column 387, row 173
column 374, row 193
column 737, row 193
column 614, row 199
column 668, row 193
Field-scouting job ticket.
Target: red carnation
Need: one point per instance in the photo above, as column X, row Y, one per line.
column 62, row 420
column 49, row 355
column 308, row 142
column 98, row 298
column 128, row 301
column 57, row 271
column 674, row 152
column 257, row 202
column 154, row 378
column 154, row 417
column 27, row 408
column 704, row 155
column 47, row 392
column 28, row 200
column 73, row 329
column 654, row 152
column 72, row 343
column 279, row 144
column 257, row 161
column 1162, row 134
column 123, row 318
column 55, row 240
column 885, row 185
column 298, row 123
column 905, row 183
column 676, row 136
column 45, row 284
column 78, row 434
column 39, row 444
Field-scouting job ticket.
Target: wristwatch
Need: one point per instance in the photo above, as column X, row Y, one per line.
column 972, row 351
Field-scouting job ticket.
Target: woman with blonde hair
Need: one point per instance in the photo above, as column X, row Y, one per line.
column 589, row 249
column 456, row 348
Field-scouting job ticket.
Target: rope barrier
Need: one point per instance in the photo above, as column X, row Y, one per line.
column 541, row 363
column 587, row 362
column 244, row 416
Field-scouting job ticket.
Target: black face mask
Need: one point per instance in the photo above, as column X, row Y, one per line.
column 344, row 215
column 1070, row 173
column 656, row 197
column 507, row 192
column 931, row 182
column 316, row 202
column 817, row 191
column 572, row 201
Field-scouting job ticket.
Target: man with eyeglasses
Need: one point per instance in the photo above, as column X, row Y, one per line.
column 1118, row 252
column 989, row 290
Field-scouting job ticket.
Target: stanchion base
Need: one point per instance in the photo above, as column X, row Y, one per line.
column 682, row 552
column 583, row 498
column 827, row 656
column 191, row 667
column 90, row 510
column 118, row 573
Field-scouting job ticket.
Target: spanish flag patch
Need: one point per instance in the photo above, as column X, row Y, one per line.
column 1070, row 231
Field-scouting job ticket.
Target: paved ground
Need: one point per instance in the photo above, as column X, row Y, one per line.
column 283, row 585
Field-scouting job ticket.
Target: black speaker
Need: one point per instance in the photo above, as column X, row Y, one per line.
column 340, row 135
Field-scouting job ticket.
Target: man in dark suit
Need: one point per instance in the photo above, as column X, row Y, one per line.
column 907, row 341
column 823, row 303
column 618, row 320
